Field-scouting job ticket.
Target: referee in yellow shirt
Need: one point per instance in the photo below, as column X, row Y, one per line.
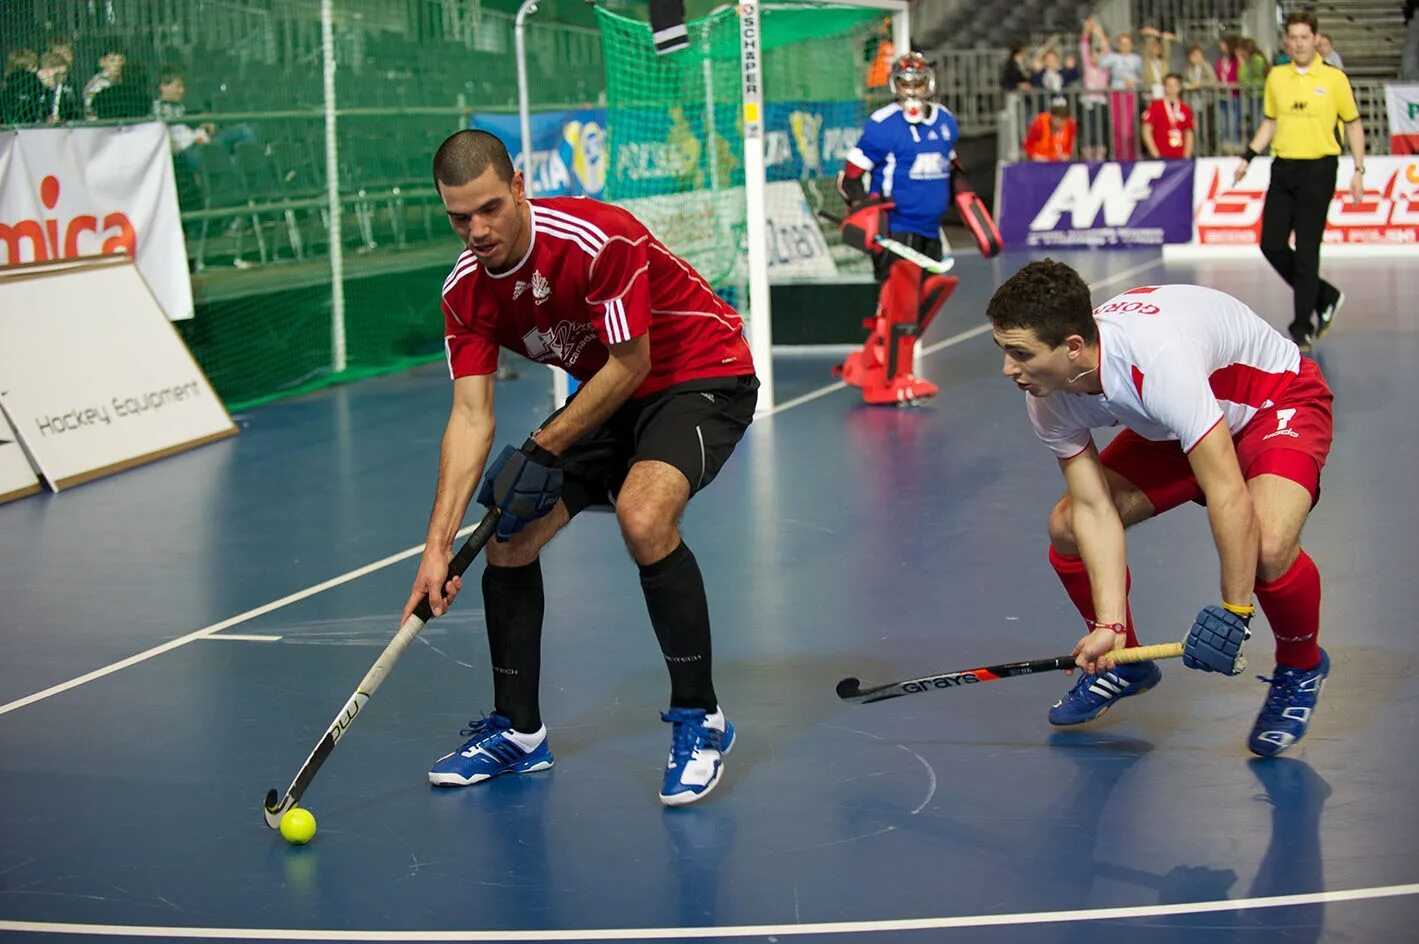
column 1304, row 100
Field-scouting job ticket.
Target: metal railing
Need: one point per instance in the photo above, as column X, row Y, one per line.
column 1109, row 124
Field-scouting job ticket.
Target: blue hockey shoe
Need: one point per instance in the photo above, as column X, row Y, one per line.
column 1289, row 706
column 490, row 750
column 1093, row 695
column 699, row 741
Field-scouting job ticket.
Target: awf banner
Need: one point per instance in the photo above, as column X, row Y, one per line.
column 1109, row 205
column 1227, row 215
column 1402, row 103
column 568, row 149
column 70, row 192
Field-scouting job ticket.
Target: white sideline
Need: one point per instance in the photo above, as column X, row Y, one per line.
column 761, row 930
column 218, row 627
column 419, row 549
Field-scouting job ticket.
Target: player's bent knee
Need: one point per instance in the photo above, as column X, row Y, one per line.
column 1276, row 554
column 644, row 523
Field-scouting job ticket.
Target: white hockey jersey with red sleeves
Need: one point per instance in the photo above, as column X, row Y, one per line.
column 1174, row 361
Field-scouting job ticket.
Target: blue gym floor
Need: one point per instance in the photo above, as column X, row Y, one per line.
column 268, row 572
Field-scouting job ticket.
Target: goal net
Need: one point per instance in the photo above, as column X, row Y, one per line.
column 679, row 156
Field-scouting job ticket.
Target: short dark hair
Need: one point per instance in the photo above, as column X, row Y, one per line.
column 1301, row 18
column 465, row 155
column 168, row 73
column 1173, row 75
column 1047, row 297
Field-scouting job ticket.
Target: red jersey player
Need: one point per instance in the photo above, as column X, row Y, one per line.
column 667, row 390
column 1219, row 408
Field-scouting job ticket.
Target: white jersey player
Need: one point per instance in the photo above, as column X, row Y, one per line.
column 1217, row 408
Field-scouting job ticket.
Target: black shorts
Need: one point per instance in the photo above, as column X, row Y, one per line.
column 693, row 426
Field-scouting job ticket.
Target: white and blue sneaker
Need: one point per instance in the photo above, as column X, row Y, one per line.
column 492, row 748
column 1288, row 708
column 699, row 741
column 1093, row 695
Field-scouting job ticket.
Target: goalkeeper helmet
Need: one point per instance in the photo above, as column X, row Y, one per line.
column 913, row 82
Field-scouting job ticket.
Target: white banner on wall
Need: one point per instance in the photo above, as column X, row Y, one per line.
column 96, row 388
column 704, row 227
column 70, row 192
column 1227, row 218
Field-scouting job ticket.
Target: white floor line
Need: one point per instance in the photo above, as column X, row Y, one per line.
column 406, row 554
column 242, row 637
column 953, row 340
column 207, row 631
column 654, row 934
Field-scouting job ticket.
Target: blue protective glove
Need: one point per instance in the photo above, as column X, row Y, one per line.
column 524, row 484
column 1214, row 644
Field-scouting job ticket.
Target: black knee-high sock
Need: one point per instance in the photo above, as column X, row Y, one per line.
column 675, row 597
column 513, row 603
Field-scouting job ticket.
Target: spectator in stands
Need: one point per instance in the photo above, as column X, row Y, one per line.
column 1052, row 75
column 1052, row 133
column 110, row 72
column 1157, row 59
column 172, row 89
column 1251, row 63
column 1325, row 49
column 1229, row 104
column 1409, row 64
column 1125, row 68
column 22, row 95
column 1015, row 74
column 1094, row 138
column 61, row 98
column 1198, row 73
column 1169, row 130
column 881, row 53
column 1252, row 67
column 131, row 96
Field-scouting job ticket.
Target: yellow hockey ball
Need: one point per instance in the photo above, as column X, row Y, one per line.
column 298, row 826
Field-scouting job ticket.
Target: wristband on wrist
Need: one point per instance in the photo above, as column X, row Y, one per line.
column 1239, row 610
column 537, row 454
column 1248, row 154
column 1116, row 627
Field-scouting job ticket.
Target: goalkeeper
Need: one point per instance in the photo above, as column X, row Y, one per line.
column 898, row 181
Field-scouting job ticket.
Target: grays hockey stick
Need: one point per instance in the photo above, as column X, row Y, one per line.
column 850, row 689
column 276, row 805
column 903, row 251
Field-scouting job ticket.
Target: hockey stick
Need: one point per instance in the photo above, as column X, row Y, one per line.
column 902, row 250
column 275, row 809
column 850, row 689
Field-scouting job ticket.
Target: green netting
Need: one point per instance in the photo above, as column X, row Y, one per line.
column 254, row 201
column 253, row 188
column 675, row 134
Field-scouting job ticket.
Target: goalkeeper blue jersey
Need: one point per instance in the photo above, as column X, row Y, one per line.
column 911, row 163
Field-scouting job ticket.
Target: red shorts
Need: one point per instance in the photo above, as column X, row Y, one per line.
column 1290, row 439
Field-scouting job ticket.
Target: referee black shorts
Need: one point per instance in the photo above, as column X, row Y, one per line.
column 693, row 426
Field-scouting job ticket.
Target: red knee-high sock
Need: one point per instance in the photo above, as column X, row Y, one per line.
column 1292, row 605
column 1076, row 583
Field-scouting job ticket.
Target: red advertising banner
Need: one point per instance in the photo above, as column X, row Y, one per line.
column 1227, row 215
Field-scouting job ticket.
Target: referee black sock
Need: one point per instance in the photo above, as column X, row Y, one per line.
column 513, row 603
column 675, row 597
